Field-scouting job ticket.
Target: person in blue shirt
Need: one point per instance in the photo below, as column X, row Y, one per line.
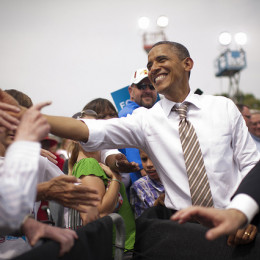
column 142, row 94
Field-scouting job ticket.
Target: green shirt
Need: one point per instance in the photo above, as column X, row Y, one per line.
column 90, row 166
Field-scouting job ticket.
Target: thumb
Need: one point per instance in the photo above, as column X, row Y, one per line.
column 41, row 105
column 216, row 232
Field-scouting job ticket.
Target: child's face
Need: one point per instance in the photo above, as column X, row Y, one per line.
column 148, row 166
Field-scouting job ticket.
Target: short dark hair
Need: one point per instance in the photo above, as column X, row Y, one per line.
column 241, row 107
column 102, row 107
column 20, row 97
column 181, row 51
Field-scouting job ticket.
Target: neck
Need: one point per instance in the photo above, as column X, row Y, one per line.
column 83, row 154
column 178, row 95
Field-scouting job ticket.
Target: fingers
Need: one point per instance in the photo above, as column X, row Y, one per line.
column 8, row 120
column 67, row 241
column 230, row 240
column 50, row 156
column 5, row 106
column 63, row 236
column 41, row 105
column 244, row 236
column 185, row 215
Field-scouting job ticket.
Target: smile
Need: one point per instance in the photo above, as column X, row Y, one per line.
column 160, row 77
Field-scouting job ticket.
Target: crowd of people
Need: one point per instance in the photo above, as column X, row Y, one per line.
column 191, row 157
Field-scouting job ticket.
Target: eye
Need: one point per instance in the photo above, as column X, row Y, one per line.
column 162, row 59
column 144, row 159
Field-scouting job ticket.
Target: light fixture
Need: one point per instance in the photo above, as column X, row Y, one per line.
column 162, row 21
column 240, row 38
column 225, row 38
column 144, row 22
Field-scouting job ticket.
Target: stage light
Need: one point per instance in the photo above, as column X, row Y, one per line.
column 240, row 38
column 225, row 38
column 162, row 21
column 144, row 22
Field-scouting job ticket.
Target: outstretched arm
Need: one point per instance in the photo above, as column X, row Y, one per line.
column 221, row 221
column 61, row 126
column 67, row 127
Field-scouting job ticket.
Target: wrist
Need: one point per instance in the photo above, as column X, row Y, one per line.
column 116, row 180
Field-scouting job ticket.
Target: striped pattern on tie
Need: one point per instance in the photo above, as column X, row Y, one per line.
column 198, row 180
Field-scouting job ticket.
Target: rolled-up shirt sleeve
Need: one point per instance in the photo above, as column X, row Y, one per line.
column 114, row 133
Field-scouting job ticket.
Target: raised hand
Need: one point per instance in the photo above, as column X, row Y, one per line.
column 33, row 125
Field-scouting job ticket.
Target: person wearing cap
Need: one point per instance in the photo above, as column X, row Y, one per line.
column 142, row 94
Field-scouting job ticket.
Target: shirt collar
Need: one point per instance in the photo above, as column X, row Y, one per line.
column 192, row 98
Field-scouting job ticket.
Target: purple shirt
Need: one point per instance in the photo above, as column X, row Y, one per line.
column 143, row 194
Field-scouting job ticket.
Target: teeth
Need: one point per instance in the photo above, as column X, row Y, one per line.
column 159, row 77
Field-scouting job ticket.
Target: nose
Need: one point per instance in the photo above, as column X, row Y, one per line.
column 149, row 163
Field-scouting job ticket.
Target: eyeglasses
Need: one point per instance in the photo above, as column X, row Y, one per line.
column 144, row 86
column 88, row 112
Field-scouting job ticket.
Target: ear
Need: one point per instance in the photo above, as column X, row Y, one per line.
column 188, row 64
column 130, row 90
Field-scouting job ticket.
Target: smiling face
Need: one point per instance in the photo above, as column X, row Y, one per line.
column 168, row 73
column 143, row 97
column 148, row 166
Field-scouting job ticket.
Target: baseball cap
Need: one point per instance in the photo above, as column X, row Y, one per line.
column 139, row 75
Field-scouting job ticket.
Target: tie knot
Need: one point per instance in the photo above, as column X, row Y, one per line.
column 182, row 110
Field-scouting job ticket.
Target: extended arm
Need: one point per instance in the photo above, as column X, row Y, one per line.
column 67, row 127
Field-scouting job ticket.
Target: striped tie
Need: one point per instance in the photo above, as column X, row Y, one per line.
column 198, row 180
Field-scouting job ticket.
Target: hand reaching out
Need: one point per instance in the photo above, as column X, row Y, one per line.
column 221, row 221
column 124, row 165
column 63, row 190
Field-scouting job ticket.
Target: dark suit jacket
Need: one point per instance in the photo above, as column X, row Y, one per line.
column 250, row 185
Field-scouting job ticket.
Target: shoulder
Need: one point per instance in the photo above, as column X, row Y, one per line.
column 88, row 166
column 140, row 182
column 128, row 109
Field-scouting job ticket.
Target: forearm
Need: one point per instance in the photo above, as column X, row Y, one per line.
column 67, row 127
column 110, row 199
column 42, row 191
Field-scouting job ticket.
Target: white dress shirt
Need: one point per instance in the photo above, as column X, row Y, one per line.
column 228, row 150
column 18, row 176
